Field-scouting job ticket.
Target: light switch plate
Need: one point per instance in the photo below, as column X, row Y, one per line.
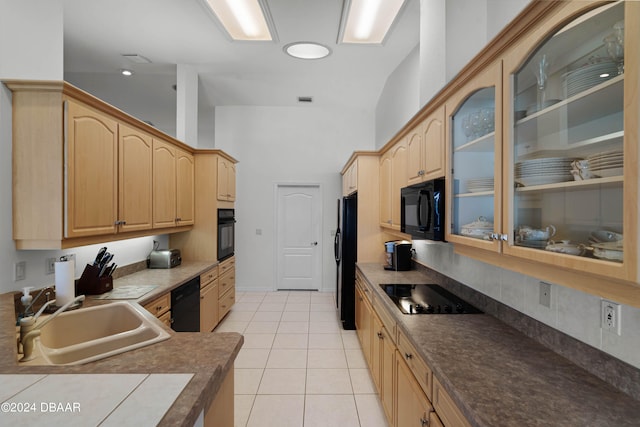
column 19, row 271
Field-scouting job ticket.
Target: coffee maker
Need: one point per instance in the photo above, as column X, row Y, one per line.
column 398, row 254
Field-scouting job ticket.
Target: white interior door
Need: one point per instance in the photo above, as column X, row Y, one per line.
column 299, row 248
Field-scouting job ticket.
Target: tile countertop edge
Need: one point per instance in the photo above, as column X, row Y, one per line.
column 209, row 356
column 545, row 368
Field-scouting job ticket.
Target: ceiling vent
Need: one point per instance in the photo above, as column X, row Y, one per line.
column 136, row 59
column 305, row 99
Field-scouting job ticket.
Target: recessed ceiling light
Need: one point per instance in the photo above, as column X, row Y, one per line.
column 126, row 72
column 368, row 21
column 307, row 50
column 244, row 19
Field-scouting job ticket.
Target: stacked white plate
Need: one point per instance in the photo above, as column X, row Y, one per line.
column 588, row 76
column 480, row 184
column 549, row 170
column 607, row 164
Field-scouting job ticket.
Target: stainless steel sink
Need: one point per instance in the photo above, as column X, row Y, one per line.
column 93, row 333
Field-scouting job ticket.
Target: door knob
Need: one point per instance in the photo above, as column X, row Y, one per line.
column 314, row 243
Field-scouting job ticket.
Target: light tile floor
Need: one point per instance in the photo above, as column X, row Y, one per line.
column 297, row 367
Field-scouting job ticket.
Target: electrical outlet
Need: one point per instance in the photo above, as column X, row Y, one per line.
column 610, row 317
column 19, row 270
column 51, row 265
column 544, row 297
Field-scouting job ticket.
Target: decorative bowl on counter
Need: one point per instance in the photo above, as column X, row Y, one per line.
column 566, row 247
column 612, row 251
column 479, row 229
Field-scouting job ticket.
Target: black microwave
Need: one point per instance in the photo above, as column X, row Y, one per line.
column 422, row 210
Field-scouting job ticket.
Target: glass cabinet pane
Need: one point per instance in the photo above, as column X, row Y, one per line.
column 473, row 164
column 568, row 139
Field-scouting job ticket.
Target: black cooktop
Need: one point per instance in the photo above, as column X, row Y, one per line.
column 427, row 299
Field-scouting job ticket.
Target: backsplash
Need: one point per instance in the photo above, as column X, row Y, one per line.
column 570, row 326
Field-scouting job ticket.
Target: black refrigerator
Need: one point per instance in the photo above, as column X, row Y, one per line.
column 346, row 254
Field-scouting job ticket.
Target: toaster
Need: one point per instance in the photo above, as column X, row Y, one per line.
column 168, row 258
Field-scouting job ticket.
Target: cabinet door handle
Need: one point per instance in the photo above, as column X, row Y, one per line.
column 380, row 336
column 408, row 356
column 424, row 421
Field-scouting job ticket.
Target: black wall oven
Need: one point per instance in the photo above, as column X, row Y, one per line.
column 422, row 210
column 226, row 233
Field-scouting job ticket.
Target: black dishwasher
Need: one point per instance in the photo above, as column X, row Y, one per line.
column 185, row 307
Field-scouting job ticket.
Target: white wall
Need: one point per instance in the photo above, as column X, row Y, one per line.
column 31, row 39
column 399, row 100
column 303, row 144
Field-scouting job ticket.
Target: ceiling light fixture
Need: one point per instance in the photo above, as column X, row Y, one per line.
column 247, row 20
column 307, row 50
column 126, row 72
column 368, row 21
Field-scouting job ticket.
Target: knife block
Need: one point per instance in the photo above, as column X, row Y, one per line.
column 90, row 284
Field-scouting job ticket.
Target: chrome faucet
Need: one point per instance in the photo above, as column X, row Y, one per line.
column 29, row 331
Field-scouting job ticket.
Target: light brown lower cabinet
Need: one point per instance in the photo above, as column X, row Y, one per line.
column 404, row 382
column 161, row 308
column 434, row 420
column 226, row 286
column 383, row 352
column 412, row 405
column 209, row 307
column 363, row 323
column 446, row 408
column 220, row 413
column 209, row 300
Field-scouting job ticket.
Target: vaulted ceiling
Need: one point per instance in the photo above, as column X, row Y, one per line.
column 168, row 32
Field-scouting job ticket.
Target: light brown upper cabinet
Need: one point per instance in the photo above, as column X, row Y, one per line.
column 426, row 149
column 398, row 180
column 91, row 181
column 226, row 180
column 173, row 191
column 393, row 176
column 571, row 141
column 85, row 172
column 385, row 190
column 543, row 147
column 475, row 169
column 350, row 179
column 185, row 188
column 135, row 166
column 164, row 184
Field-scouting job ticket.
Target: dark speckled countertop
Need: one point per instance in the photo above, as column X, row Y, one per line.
column 209, row 356
column 499, row 376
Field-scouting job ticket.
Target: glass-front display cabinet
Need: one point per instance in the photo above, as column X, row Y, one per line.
column 474, row 161
column 571, row 139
